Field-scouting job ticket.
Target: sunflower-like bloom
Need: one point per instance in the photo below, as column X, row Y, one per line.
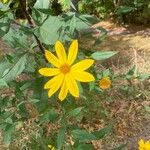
column 66, row 74
column 144, row 145
column 105, row 83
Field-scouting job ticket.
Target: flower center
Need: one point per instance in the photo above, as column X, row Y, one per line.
column 65, row 68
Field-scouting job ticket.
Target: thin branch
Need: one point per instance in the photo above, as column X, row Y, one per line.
column 31, row 22
column 23, row 5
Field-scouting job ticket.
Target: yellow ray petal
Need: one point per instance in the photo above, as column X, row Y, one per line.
column 55, row 86
column 52, row 81
column 82, row 76
column 73, row 50
column 141, row 142
column 72, row 85
column 52, row 58
column 83, row 65
column 49, row 71
column 60, row 50
column 63, row 91
column 51, row 147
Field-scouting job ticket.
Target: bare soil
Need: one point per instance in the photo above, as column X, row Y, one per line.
column 133, row 46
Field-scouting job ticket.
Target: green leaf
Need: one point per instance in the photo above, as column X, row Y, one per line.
column 16, row 69
column 72, row 25
column 84, row 146
column 83, row 135
column 124, row 9
column 91, row 86
column 106, row 73
column 17, row 39
column 4, row 27
column 3, row 83
column 147, row 108
column 131, row 72
column 102, row 133
column 42, row 4
column 61, row 138
column 8, row 133
column 4, row 64
column 37, row 14
column 51, row 30
column 49, row 116
column 75, row 111
column 34, row 100
column 144, row 76
column 103, row 55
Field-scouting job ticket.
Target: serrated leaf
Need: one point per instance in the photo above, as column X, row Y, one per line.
column 61, row 138
column 4, row 65
column 75, row 111
column 83, row 135
column 8, row 134
column 50, row 31
column 49, row 116
column 16, row 69
column 72, row 25
column 102, row 132
column 37, row 14
column 103, row 55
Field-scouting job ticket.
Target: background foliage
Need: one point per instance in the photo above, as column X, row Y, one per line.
column 125, row 11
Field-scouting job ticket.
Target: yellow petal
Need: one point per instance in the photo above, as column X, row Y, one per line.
column 73, row 50
column 72, row 85
column 55, row 86
column 51, row 147
column 60, row 50
column 52, row 81
column 83, row 65
column 141, row 142
column 52, row 58
column 49, row 71
column 63, row 91
column 82, row 76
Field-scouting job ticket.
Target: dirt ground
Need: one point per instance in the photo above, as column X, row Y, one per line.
column 133, row 46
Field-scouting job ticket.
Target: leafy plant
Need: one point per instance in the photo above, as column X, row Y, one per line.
column 26, row 112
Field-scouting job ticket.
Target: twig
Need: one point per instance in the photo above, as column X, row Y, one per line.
column 31, row 22
column 135, row 62
column 26, row 13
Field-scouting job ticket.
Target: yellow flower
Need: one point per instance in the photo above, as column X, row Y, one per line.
column 51, row 147
column 4, row 1
column 65, row 73
column 105, row 83
column 144, row 145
